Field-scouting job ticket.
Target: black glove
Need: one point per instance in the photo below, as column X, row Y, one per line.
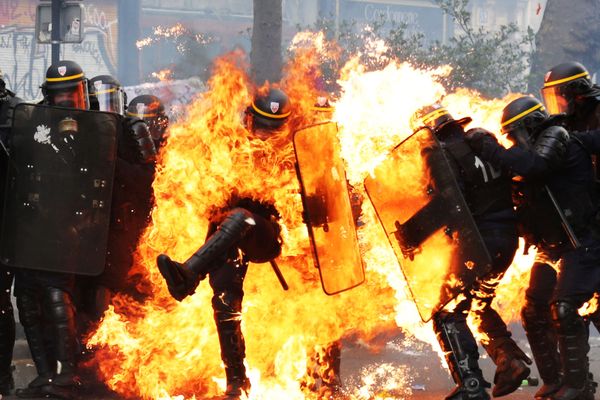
column 476, row 138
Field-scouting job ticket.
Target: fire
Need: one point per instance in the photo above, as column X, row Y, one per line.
column 163, row 74
column 166, row 350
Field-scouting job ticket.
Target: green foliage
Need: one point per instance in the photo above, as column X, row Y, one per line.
column 492, row 62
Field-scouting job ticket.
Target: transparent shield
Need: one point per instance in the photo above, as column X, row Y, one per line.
column 327, row 207
column 59, row 189
column 427, row 221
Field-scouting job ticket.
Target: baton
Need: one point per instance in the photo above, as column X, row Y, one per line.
column 563, row 220
column 280, row 277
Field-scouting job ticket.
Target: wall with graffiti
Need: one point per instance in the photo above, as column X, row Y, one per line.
column 24, row 62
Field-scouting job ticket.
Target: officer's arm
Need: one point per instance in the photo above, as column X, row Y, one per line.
column 515, row 161
column 589, row 139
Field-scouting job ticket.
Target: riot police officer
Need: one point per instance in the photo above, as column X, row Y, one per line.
column 8, row 101
column 47, row 296
column 246, row 230
column 568, row 89
column 557, row 211
column 488, row 195
column 151, row 110
column 106, row 94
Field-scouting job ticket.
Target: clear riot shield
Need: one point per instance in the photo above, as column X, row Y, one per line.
column 59, row 189
column 427, row 221
column 327, row 208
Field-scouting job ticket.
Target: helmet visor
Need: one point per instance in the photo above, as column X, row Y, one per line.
column 554, row 100
column 110, row 98
column 74, row 96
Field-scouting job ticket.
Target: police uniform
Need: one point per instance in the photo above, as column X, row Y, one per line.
column 45, row 299
column 244, row 231
column 487, row 192
column 555, row 163
column 8, row 101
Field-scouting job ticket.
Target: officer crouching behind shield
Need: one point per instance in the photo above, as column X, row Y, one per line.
column 557, row 210
column 44, row 298
column 247, row 230
column 488, row 196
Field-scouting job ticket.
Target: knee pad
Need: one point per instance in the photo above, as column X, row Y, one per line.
column 227, row 306
column 58, row 304
column 564, row 312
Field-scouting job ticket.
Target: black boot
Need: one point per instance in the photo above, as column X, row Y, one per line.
column 182, row 279
column 61, row 314
column 460, row 350
column 537, row 323
column 511, row 365
column 573, row 344
column 30, row 315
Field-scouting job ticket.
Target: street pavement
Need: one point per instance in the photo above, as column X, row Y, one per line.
column 416, row 366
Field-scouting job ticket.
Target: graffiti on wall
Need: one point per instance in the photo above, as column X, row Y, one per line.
column 24, row 62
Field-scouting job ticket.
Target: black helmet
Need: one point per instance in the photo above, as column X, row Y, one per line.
column 522, row 118
column 435, row 117
column 66, row 86
column 152, row 111
column 563, row 84
column 107, row 94
column 269, row 111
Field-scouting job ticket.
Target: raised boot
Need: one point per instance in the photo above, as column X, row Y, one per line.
column 61, row 313
column 537, row 323
column 573, row 344
column 460, row 350
column 30, row 316
column 182, row 279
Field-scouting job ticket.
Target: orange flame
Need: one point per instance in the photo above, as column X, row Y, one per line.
column 162, row 349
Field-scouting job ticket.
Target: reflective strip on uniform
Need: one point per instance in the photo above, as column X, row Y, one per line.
column 570, row 78
column 524, row 113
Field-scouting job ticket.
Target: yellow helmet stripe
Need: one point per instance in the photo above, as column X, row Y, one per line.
column 524, row 113
column 65, row 78
column 274, row 116
column 432, row 116
column 103, row 92
column 142, row 115
column 570, row 78
column 316, row 108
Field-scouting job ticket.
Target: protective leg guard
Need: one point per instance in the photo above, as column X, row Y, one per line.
column 182, row 279
column 61, row 313
column 460, row 349
column 573, row 344
column 7, row 342
column 30, row 315
column 511, row 368
column 537, row 323
column 228, row 318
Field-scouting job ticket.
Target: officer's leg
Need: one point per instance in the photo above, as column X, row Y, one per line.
column 61, row 316
column 182, row 279
column 460, row 349
column 29, row 304
column 578, row 280
column 7, row 332
column 537, row 323
column 510, row 360
column 227, row 283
